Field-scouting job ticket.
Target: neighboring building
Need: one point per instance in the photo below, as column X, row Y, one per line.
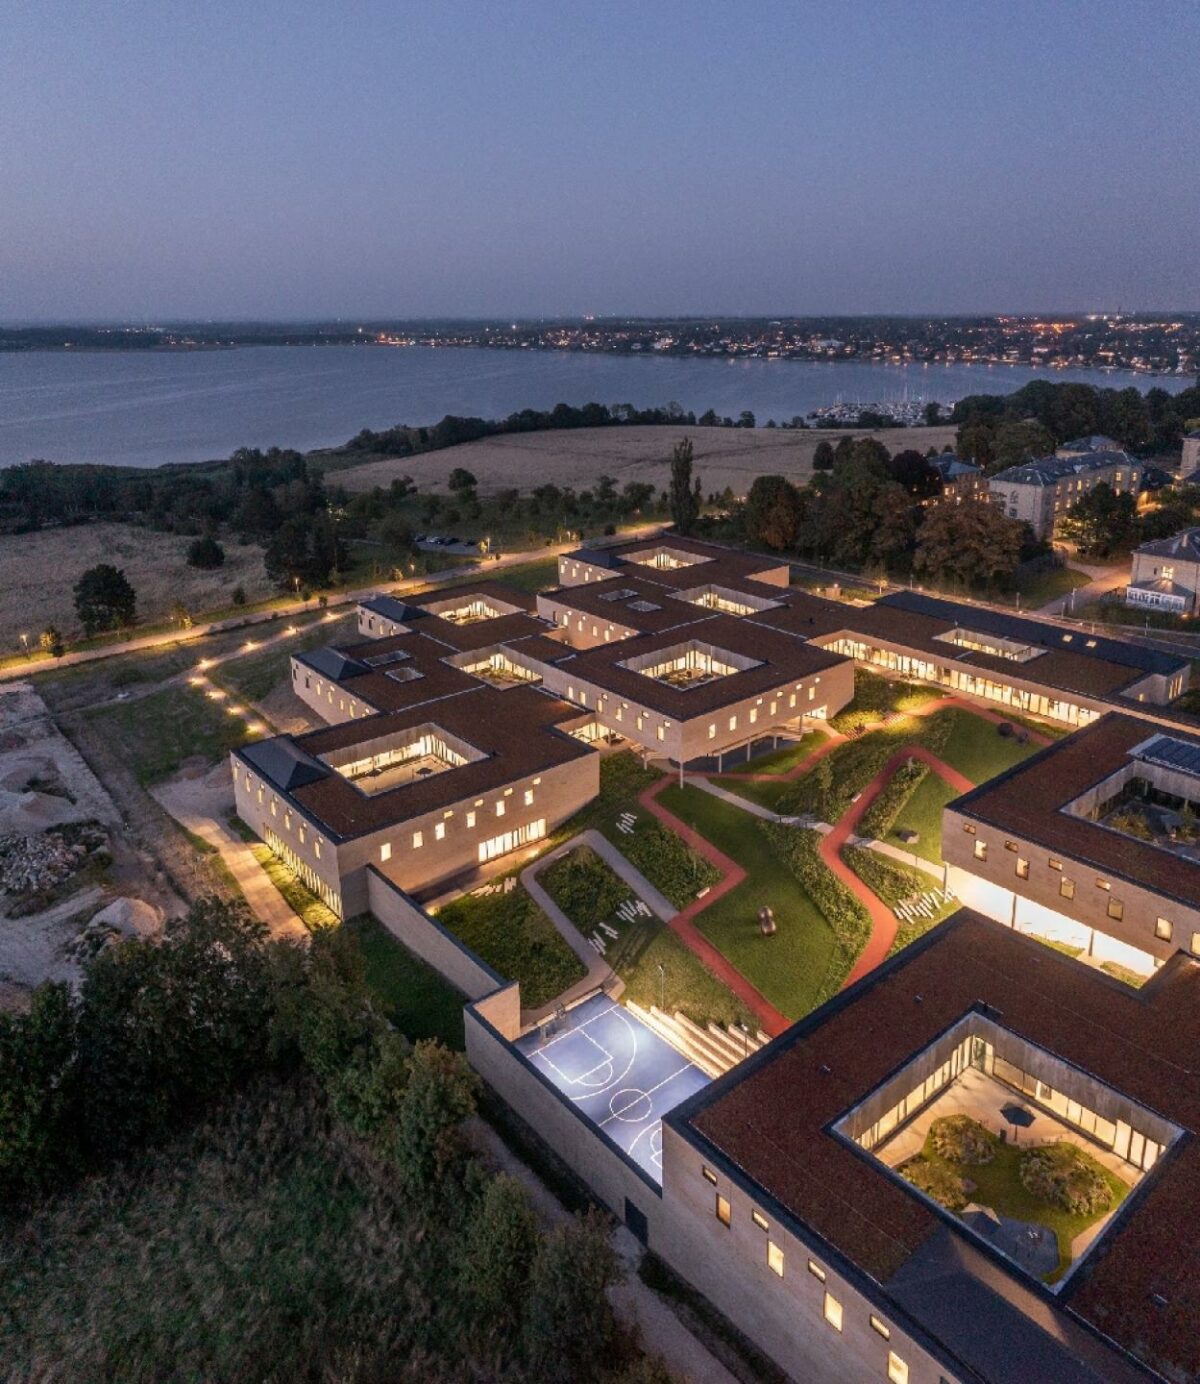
column 1191, row 456
column 783, row 1204
column 961, row 480
column 1165, row 574
column 1091, row 844
column 1040, row 492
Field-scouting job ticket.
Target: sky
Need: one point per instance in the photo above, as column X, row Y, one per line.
column 375, row 158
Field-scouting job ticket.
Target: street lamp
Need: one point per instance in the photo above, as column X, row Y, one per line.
column 662, row 987
column 25, row 643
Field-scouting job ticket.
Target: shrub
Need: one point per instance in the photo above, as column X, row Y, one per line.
column 667, row 862
column 960, row 1139
column 205, row 553
column 881, row 816
column 943, row 1184
column 894, row 883
column 584, row 887
column 1067, row 1178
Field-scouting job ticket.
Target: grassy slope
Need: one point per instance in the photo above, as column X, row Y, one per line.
column 160, row 731
column 413, row 996
column 790, row 967
column 782, row 760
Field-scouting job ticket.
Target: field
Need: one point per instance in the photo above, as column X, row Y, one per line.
column 38, row 571
column 724, row 457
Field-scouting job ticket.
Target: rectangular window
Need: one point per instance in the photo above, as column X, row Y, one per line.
column 1022, row 868
column 661, row 733
column 724, row 1211
column 968, row 828
column 712, row 731
column 529, row 797
column 385, row 851
column 1010, row 846
column 1163, row 929
column 774, row 1258
column 1116, row 909
column 1196, row 943
column 500, row 808
column 880, row 1328
column 1066, row 887
column 897, row 1369
column 470, row 819
column 439, row 831
column 833, row 1311
column 1054, row 864
column 709, row 1175
column 759, row 1220
column 733, row 723
column 1103, row 884
column 980, row 850
column 817, row 1271
column 418, row 840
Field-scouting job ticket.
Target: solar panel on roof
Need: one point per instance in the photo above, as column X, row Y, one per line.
column 382, row 660
column 1172, row 754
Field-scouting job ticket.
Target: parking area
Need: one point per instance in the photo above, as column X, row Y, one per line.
column 616, row 1072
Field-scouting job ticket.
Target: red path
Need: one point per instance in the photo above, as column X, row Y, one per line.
column 883, row 920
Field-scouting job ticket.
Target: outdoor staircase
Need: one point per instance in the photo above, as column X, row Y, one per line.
column 713, row 1049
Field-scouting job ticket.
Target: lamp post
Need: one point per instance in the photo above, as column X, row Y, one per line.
column 25, row 643
column 662, row 987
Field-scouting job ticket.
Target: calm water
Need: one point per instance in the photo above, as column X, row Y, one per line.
column 141, row 410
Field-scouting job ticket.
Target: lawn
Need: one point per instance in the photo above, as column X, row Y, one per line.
column 300, row 898
column 783, row 760
column 654, row 964
column 876, row 697
column 512, row 934
column 253, row 675
column 998, row 1185
column 923, row 814
column 529, row 576
column 412, row 994
column 790, row 968
column 157, row 733
column 896, row 883
column 976, row 748
column 1049, row 585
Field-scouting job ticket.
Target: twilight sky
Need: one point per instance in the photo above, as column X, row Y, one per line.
column 291, row 158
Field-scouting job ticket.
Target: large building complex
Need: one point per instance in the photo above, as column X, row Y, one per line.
column 1039, row 492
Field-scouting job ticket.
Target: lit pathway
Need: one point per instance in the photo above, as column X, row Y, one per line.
column 683, row 924
column 883, row 920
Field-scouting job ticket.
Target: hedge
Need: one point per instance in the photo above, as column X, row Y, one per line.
column 881, row 816
column 668, row 863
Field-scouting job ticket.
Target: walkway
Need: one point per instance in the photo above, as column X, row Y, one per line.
column 600, row 975
column 883, row 920
column 683, row 924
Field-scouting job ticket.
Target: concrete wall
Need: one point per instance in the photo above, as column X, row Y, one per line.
column 784, row 1316
column 425, row 936
column 610, row 1175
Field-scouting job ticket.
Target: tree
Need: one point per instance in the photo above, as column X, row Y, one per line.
column 1014, row 443
column 396, row 534
column 104, row 599
column 497, row 1256
column 974, row 544
column 772, row 512
column 745, row 419
column 460, row 479
column 440, row 1094
column 205, row 553
column 39, row 1084
column 933, row 413
column 823, row 456
column 1101, row 521
column 685, row 507
column 913, row 471
column 569, row 1324
column 51, row 642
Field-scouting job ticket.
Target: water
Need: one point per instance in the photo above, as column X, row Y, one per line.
column 137, row 409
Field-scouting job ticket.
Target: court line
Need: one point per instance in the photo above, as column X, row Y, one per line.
column 651, row 1090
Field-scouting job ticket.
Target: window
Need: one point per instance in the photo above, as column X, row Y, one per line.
column 817, row 1271
column 385, row 851
column 500, row 808
column 712, row 730
column 470, row 819
column 1010, row 846
column 968, row 828
column 980, row 850
column 897, row 1369
column 724, row 1211
column 418, row 840
column 1022, row 868
column 660, row 732
column 1116, row 909
column 1163, row 929
column 439, row 831
column 880, row 1328
column 1196, row 943
column 1054, row 864
column 1066, row 887
column 833, row 1311
column 733, row 723
column 1103, row 884
column 759, row 1220
column 774, row 1258
column 529, row 797
column 709, row 1175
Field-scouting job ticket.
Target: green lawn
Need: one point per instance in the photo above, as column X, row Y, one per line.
column 1049, row 585
column 998, row 1185
column 528, row 576
column 976, row 748
column 157, row 733
column 654, row 964
column 303, row 902
column 923, row 814
column 512, row 934
column 790, row 968
column 784, row 759
column 876, row 696
column 412, row 994
column 253, row 675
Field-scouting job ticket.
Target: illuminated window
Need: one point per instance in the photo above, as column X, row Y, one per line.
column 1163, row 929
column 709, row 1175
column 712, row 731
column 897, row 1369
column 385, row 851
column 774, row 1258
column 661, row 733
column 1054, row 864
column 1196, row 943
column 439, row 831
column 500, row 808
column 1022, row 868
column 317, row 847
column 724, row 1211
column 529, row 797
column 817, row 1271
column 1010, row 846
column 980, row 850
column 968, row 828
column 470, row 819
column 1103, row 884
column 1116, row 909
column 733, row 723
column 418, row 840
column 880, row 1328
column 759, row 1220
column 1066, row 887
column 833, row 1311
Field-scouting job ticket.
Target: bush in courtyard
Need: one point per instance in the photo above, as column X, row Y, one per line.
column 943, row 1184
column 960, row 1139
column 881, row 816
column 1067, row 1178
column 205, row 553
column 667, row 862
column 584, row 887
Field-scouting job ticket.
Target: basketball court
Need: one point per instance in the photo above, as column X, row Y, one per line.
column 616, row 1072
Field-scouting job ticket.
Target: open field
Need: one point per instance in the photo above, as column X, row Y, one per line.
column 724, row 457
column 38, row 570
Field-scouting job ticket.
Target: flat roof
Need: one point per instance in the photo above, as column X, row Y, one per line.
column 1029, row 800
column 719, row 563
column 769, row 1123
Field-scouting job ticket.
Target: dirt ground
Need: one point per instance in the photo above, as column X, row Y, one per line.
column 724, row 457
column 38, row 571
